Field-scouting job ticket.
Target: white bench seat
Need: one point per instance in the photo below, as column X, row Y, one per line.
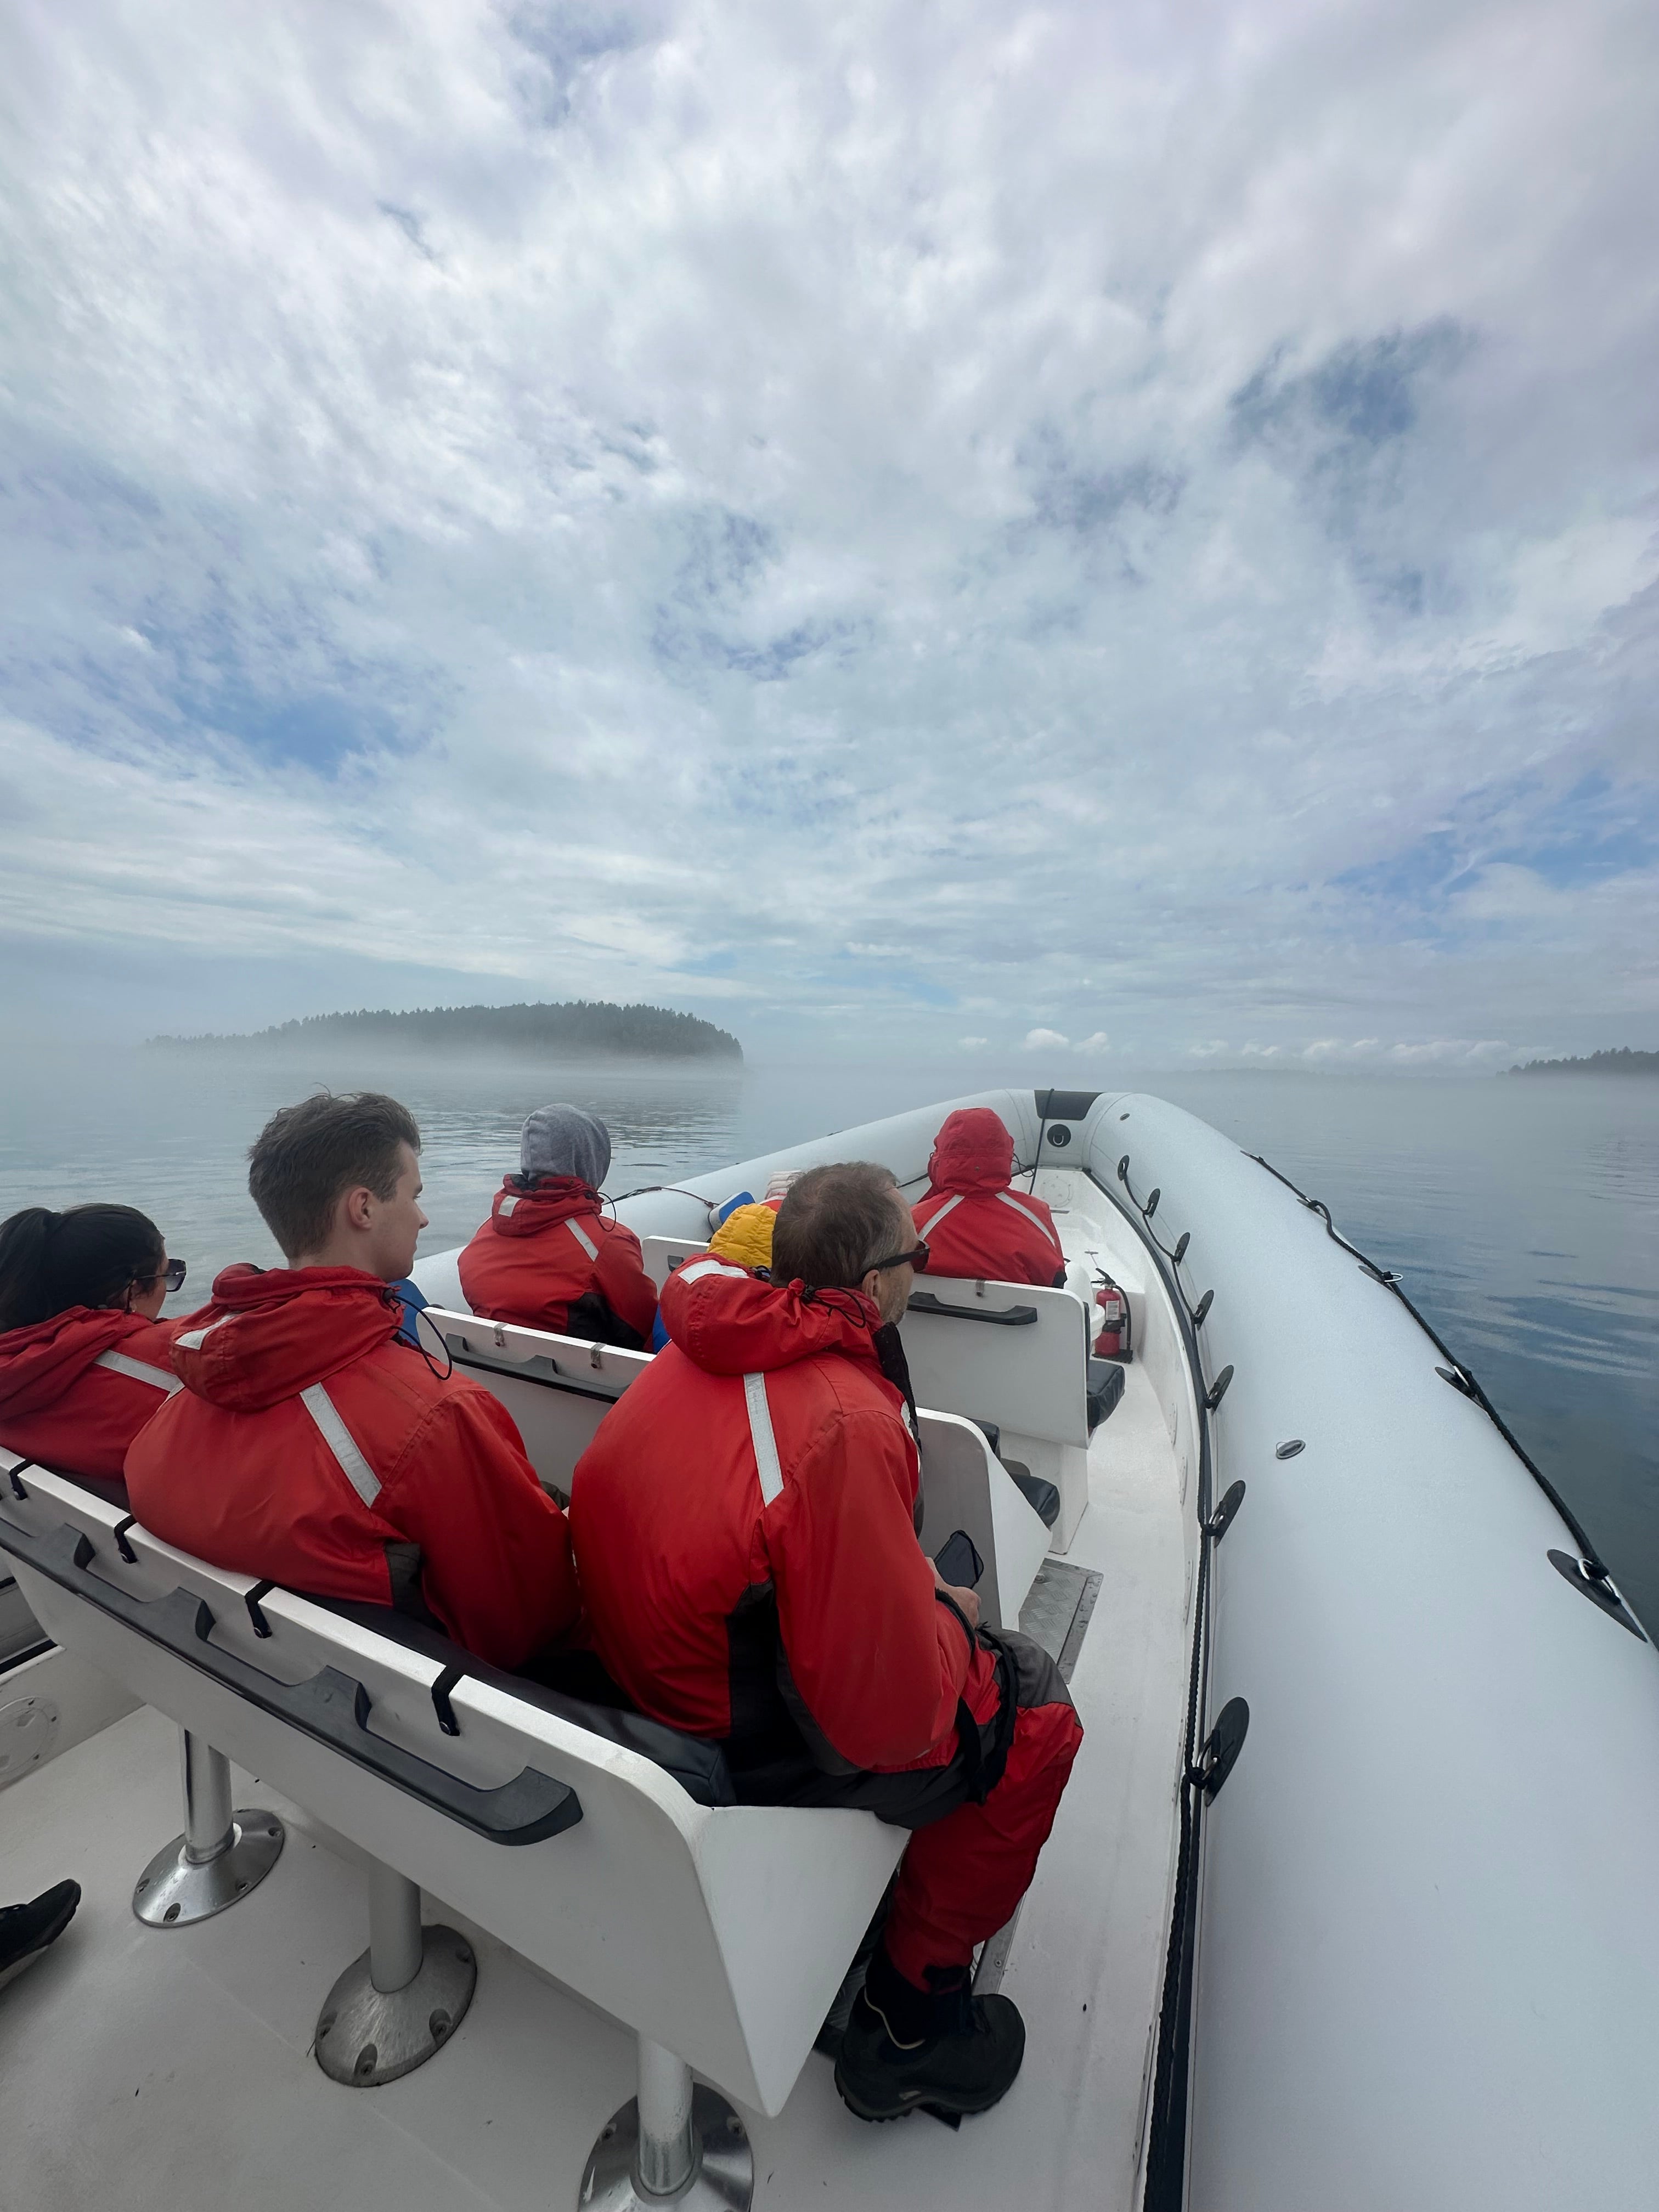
column 720, row 1933
column 1015, row 1354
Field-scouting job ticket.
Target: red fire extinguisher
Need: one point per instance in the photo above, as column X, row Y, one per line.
column 1113, row 1340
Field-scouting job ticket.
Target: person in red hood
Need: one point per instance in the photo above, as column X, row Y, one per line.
column 975, row 1224
column 547, row 1257
column 746, row 1527
column 309, row 1447
column 84, row 1355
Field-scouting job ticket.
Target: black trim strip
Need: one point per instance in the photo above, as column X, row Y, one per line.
column 331, row 1707
column 1165, row 2186
column 21, row 1658
column 924, row 1302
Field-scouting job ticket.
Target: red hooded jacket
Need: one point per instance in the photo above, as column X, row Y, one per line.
column 548, row 1258
column 975, row 1226
column 76, row 1390
column 307, row 1446
column 744, row 1524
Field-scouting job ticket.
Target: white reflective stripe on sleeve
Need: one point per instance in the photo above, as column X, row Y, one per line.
column 760, row 1433
column 340, row 1440
column 699, row 1269
column 1035, row 1219
column 158, row 1378
column 584, row 1240
column 199, row 1337
column 934, row 1220
column 505, row 1208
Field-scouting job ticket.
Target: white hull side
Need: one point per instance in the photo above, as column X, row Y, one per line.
column 1427, row 1948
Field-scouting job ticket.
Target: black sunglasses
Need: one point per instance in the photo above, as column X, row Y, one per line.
column 917, row 1259
column 172, row 1273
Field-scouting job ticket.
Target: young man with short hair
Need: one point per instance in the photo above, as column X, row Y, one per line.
column 310, row 1447
column 746, row 1525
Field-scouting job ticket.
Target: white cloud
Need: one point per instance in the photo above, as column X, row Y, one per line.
column 973, row 1044
column 870, row 520
column 1043, row 1041
column 1464, row 1053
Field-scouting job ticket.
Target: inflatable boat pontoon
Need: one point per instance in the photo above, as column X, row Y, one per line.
column 1349, row 1907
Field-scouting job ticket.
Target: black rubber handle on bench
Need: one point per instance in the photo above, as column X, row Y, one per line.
column 330, row 1706
column 924, row 1302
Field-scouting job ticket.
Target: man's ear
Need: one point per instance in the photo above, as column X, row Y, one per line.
column 359, row 1207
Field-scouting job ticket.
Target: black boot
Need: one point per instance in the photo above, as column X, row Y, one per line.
column 26, row 1929
column 946, row 2052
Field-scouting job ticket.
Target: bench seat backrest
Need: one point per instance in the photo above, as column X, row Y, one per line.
column 1009, row 1353
column 559, row 1388
column 662, row 1255
column 1014, row 1354
column 684, row 1921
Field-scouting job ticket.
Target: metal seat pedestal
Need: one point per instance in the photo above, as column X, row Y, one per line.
column 398, row 2004
column 677, row 2142
column 221, row 1855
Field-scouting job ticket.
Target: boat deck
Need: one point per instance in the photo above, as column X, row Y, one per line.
column 171, row 2071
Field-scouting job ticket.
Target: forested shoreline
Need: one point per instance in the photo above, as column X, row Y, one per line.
column 593, row 1028
column 1622, row 1062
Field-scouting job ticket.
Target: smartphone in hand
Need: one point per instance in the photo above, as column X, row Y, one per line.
column 958, row 1562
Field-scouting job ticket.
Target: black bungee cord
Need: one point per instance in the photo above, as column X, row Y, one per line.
column 646, row 1189
column 1174, row 1255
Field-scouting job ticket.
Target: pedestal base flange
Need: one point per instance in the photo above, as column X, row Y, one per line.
column 722, row 2178
column 366, row 2036
column 173, row 1890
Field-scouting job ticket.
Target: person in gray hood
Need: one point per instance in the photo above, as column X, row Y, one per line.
column 548, row 1257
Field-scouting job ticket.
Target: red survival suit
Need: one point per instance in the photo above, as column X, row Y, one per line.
column 744, row 1528
column 76, row 1390
column 976, row 1226
column 308, row 1446
column 548, row 1258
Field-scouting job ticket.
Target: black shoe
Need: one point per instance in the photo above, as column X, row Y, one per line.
column 828, row 2039
column 26, row 1930
column 965, row 2066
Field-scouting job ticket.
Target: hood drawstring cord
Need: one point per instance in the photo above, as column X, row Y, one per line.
column 442, row 1373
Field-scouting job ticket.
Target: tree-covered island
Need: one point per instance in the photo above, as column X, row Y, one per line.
column 583, row 1029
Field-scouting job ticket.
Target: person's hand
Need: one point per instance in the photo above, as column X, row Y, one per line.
column 967, row 1599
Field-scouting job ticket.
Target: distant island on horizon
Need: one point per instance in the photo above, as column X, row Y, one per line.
column 1622, row 1062
column 589, row 1026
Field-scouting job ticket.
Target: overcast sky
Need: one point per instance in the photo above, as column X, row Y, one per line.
column 888, row 525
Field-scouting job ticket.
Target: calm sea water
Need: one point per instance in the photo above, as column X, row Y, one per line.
column 1523, row 1214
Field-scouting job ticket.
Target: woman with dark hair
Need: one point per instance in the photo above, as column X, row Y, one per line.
column 84, row 1355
